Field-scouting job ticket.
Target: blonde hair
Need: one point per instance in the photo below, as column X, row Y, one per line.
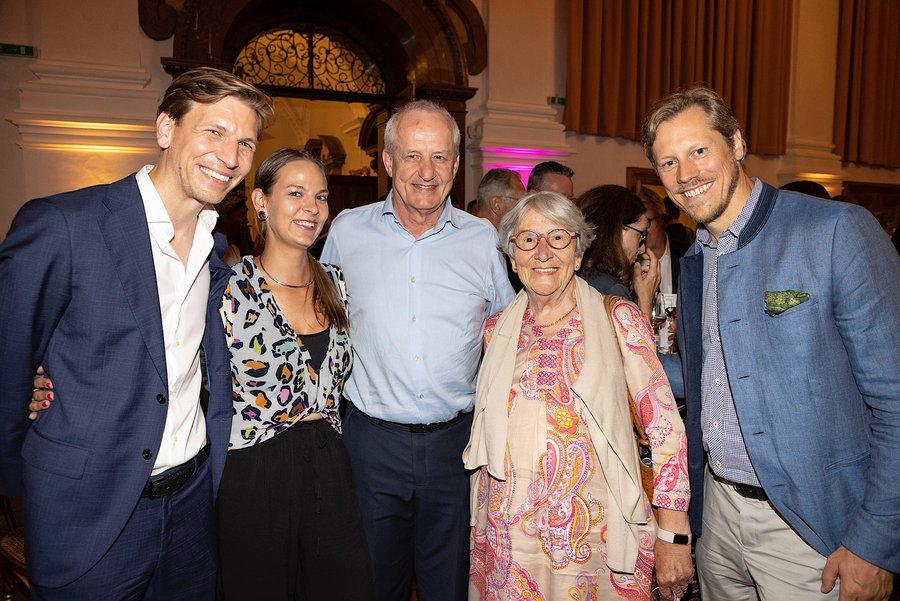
column 718, row 115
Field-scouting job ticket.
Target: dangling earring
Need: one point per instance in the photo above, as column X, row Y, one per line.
column 262, row 215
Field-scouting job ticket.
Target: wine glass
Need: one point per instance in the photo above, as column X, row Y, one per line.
column 658, row 314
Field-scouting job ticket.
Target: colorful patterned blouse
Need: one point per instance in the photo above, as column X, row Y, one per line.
column 274, row 383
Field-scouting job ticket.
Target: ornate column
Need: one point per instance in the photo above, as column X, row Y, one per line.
column 810, row 148
column 514, row 126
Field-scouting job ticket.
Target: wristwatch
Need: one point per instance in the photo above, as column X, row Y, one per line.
column 671, row 537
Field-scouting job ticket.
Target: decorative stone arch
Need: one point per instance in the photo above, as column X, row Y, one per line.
column 425, row 48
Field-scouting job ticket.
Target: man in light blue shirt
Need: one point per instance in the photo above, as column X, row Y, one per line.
column 422, row 277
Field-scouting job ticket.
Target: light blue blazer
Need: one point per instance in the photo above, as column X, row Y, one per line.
column 817, row 388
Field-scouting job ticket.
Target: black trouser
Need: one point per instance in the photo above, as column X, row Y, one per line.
column 288, row 522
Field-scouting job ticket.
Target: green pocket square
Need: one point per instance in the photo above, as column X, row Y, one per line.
column 779, row 301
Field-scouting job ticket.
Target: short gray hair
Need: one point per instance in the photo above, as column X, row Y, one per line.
column 552, row 206
column 496, row 182
column 390, row 130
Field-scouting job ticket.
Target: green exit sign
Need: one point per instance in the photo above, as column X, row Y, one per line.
column 17, row 49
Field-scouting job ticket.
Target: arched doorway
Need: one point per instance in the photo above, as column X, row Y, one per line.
column 424, row 48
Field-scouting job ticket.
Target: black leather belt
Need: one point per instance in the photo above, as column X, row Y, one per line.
column 174, row 478
column 745, row 490
column 422, row 428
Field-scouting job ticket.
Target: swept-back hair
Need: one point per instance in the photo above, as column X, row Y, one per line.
column 390, row 130
column 496, row 182
column 205, row 85
column 536, row 177
column 718, row 114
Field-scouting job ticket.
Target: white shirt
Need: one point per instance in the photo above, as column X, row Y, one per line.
column 183, row 297
column 665, row 271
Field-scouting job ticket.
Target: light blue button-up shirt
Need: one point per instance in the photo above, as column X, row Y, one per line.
column 417, row 309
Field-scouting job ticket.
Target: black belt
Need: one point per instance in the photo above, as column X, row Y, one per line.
column 745, row 490
column 175, row 478
column 421, row 428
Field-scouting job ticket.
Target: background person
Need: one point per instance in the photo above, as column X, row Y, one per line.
column 618, row 262
column 498, row 191
column 551, row 176
column 667, row 251
column 680, row 236
column 558, row 506
column 810, row 188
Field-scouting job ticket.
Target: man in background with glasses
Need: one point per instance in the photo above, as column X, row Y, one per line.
column 497, row 193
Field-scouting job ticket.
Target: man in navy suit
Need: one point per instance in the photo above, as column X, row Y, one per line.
column 789, row 329
column 115, row 289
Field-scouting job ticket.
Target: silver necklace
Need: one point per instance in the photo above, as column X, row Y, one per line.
column 277, row 281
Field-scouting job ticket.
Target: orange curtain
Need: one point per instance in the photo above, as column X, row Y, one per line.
column 867, row 94
column 624, row 55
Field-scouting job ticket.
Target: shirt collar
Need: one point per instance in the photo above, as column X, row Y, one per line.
column 735, row 229
column 448, row 214
column 156, row 210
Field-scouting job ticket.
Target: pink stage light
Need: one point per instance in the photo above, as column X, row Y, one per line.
column 520, row 151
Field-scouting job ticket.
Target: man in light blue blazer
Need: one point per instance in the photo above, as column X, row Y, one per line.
column 115, row 289
column 789, row 328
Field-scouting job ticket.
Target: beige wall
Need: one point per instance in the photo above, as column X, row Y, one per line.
column 82, row 112
column 596, row 160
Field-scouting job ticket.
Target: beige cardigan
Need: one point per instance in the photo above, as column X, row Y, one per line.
column 602, row 390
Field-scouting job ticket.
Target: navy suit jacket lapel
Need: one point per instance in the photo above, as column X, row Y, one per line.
column 219, row 271
column 127, row 236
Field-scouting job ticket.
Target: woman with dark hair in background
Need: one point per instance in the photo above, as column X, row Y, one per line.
column 618, row 262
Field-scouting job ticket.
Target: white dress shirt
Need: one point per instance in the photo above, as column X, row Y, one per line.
column 665, row 271
column 183, row 296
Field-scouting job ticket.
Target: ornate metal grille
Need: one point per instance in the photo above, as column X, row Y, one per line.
column 318, row 59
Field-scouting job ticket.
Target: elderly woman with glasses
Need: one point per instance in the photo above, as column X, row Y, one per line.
column 618, row 262
column 558, row 510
